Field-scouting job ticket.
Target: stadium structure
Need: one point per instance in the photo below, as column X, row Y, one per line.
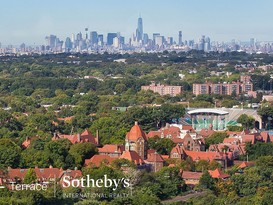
column 219, row 119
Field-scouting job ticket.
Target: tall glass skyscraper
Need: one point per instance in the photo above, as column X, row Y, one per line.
column 139, row 30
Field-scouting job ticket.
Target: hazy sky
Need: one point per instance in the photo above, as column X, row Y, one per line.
column 30, row 21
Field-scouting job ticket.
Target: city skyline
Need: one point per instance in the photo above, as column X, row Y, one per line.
column 30, row 21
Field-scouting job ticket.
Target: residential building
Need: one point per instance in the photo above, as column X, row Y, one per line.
column 235, row 88
column 112, row 150
column 163, row 89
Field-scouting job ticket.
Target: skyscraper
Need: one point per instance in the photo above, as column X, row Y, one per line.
column 139, row 30
column 110, row 38
column 94, row 37
column 180, row 38
column 100, row 39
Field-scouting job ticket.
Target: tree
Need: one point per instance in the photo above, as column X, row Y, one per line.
column 82, row 151
column 215, row 138
column 206, row 181
column 246, row 121
column 170, row 181
column 9, row 153
column 30, row 176
column 161, row 145
column 201, row 165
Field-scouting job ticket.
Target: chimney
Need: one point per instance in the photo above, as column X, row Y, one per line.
column 136, row 123
column 76, row 168
column 27, row 138
column 50, row 167
column 78, row 137
column 97, row 137
column 116, row 148
column 167, row 125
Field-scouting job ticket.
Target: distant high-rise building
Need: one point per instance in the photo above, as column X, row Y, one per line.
column 170, row 40
column 139, row 30
column 110, row 38
column 51, row 41
column 73, row 38
column 86, row 34
column 252, row 42
column 116, row 42
column 207, row 44
column 100, row 39
column 154, row 37
column 180, row 41
column 145, row 38
column 68, row 44
column 201, row 44
column 79, row 36
column 159, row 40
column 94, row 37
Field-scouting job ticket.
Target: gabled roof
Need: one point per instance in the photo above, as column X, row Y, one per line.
column 231, row 140
column 155, row 157
column 264, row 136
column 26, row 143
column 153, row 134
column 97, row 160
column 132, row 156
column 195, row 155
column 206, row 132
column 172, row 131
column 177, row 149
column 188, row 127
column 218, row 174
column 245, row 164
column 249, row 138
column 135, row 133
column 191, row 175
column 178, row 140
column 86, row 136
column 112, row 148
column 43, row 173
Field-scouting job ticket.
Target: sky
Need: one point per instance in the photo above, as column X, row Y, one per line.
column 29, row 21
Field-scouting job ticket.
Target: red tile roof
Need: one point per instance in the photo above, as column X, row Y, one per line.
column 245, row 164
column 177, row 149
column 178, row 140
column 97, row 160
column 204, row 155
column 264, row 136
column 26, row 143
column 188, row 127
column 135, row 133
column 155, row 157
column 132, row 156
column 170, row 132
column 231, row 140
column 153, row 134
column 206, row 132
column 86, row 136
column 191, row 175
column 112, row 148
column 218, row 174
column 249, row 138
column 43, row 173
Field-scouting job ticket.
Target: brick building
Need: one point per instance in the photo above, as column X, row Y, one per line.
column 163, row 89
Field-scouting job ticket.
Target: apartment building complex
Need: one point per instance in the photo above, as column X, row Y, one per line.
column 222, row 88
column 163, row 89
